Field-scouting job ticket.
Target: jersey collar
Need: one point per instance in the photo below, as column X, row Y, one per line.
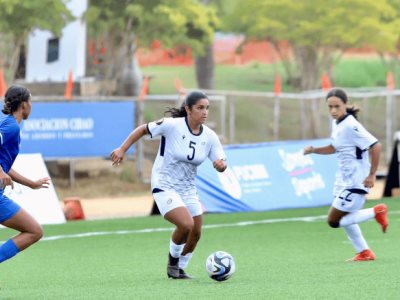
column 190, row 129
column 338, row 121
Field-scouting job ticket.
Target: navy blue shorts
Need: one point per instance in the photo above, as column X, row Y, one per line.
column 8, row 208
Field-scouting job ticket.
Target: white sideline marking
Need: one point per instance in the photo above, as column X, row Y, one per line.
column 243, row 223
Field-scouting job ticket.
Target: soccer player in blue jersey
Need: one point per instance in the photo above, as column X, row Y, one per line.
column 17, row 107
column 185, row 143
column 358, row 154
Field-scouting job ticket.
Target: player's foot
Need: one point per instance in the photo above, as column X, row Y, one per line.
column 172, row 267
column 183, row 275
column 365, row 255
column 381, row 216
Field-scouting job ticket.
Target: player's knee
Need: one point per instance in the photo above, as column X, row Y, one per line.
column 187, row 225
column 333, row 224
column 36, row 233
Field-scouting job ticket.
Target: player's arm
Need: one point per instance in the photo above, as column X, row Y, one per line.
column 217, row 154
column 329, row 149
column 41, row 183
column 374, row 153
column 117, row 155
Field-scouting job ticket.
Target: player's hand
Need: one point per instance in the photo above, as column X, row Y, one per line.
column 42, row 183
column 308, row 150
column 5, row 180
column 117, row 156
column 369, row 182
column 220, row 165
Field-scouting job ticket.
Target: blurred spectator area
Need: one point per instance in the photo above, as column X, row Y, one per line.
column 228, row 49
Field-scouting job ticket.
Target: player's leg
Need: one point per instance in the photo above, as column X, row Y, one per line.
column 184, row 223
column 30, row 232
column 172, row 207
column 193, row 204
column 353, row 203
column 191, row 243
column 347, row 212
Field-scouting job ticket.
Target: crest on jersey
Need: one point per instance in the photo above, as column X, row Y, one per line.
column 159, row 122
column 183, row 136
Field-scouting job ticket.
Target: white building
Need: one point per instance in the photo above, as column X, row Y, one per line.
column 50, row 58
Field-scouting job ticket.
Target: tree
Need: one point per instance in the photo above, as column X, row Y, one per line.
column 318, row 32
column 19, row 18
column 391, row 59
column 126, row 25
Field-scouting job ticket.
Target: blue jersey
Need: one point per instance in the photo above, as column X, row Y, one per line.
column 9, row 141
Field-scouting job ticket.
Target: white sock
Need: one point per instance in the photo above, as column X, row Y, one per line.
column 356, row 237
column 357, row 217
column 184, row 260
column 174, row 249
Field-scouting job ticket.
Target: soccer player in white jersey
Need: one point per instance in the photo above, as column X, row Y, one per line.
column 358, row 155
column 17, row 107
column 185, row 143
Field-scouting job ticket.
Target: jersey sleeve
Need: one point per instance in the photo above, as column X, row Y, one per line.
column 217, row 151
column 362, row 138
column 160, row 127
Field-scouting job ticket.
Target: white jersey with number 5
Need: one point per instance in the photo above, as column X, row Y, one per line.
column 351, row 141
column 180, row 152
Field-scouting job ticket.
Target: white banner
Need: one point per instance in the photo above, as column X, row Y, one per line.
column 42, row 204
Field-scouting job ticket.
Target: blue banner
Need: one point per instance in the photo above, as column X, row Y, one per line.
column 268, row 176
column 76, row 129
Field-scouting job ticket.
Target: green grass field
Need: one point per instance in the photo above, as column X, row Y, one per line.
column 257, row 77
column 279, row 255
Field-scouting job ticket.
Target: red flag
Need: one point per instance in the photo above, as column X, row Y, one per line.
column 277, row 87
column 390, row 81
column 325, row 82
column 145, row 88
column 3, row 85
column 69, row 87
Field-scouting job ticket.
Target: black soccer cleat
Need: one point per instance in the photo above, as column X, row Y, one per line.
column 172, row 267
column 183, row 275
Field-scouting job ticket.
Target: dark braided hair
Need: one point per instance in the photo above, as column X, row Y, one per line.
column 191, row 100
column 339, row 93
column 13, row 98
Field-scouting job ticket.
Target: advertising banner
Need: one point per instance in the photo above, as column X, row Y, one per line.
column 268, row 176
column 42, row 204
column 76, row 129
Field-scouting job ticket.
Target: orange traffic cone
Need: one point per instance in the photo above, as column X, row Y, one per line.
column 145, row 88
column 277, row 87
column 179, row 87
column 390, row 81
column 3, row 85
column 73, row 209
column 325, row 82
column 69, row 87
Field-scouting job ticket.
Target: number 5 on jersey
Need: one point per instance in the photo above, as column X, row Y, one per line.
column 191, row 146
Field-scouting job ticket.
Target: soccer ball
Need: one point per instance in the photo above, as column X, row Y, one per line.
column 220, row 266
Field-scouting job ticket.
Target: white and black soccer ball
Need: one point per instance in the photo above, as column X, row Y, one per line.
column 220, row 266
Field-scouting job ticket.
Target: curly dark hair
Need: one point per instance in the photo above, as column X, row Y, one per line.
column 13, row 98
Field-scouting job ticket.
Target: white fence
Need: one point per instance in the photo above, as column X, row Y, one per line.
column 252, row 117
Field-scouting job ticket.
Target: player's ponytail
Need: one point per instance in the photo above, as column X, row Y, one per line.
column 191, row 100
column 13, row 98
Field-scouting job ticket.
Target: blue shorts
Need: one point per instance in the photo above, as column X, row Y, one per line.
column 8, row 208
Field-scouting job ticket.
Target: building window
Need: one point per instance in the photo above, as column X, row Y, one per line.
column 53, row 48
